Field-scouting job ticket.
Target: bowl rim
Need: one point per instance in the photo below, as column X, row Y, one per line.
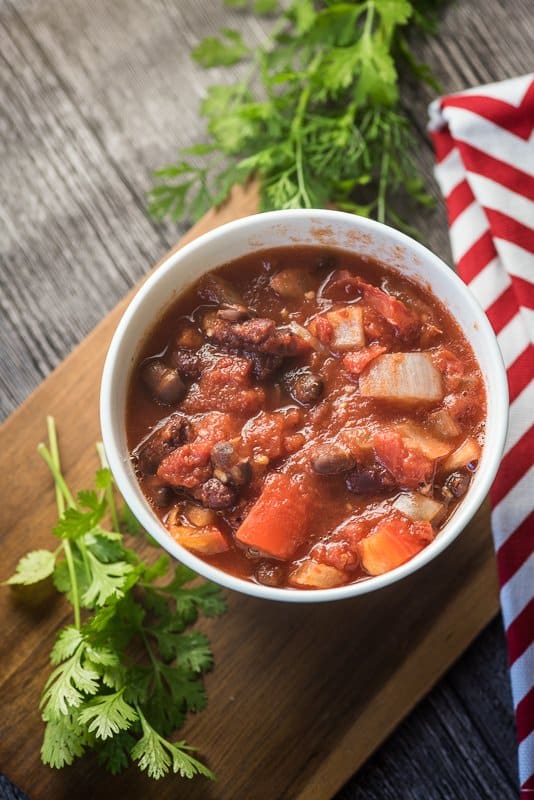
column 119, row 462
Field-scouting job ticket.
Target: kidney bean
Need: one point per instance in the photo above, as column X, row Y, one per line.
column 215, row 494
column 165, row 385
column 331, row 459
column 307, row 388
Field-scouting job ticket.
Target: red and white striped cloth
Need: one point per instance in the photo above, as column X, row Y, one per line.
column 484, row 146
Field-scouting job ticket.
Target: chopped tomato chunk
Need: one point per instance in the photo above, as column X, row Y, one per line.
column 271, row 433
column 391, row 308
column 356, row 362
column 409, row 467
column 227, row 385
column 393, row 542
column 322, row 328
column 450, row 367
column 189, row 466
column 278, row 521
column 336, row 554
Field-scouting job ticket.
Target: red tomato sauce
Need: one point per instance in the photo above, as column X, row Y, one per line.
column 305, row 418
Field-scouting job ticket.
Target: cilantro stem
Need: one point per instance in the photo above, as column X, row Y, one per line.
column 383, row 180
column 368, row 27
column 109, row 490
column 63, row 494
column 73, row 583
column 296, row 131
column 54, row 468
column 54, row 452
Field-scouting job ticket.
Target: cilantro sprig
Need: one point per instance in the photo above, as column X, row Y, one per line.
column 317, row 120
column 127, row 670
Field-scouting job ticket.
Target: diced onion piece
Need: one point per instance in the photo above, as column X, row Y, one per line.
column 468, row 451
column 416, row 438
column 347, row 328
column 306, row 336
column 418, row 507
column 443, row 424
column 289, row 283
column 313, row 575
column 207, row 540
column 405, row 377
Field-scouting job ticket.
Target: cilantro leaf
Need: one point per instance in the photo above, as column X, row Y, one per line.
column 68, row 684
column 129, row 521
column 129, row 659
column 107, row 580
column 193, row 651
column 64, row 740
column 67, row 643
column 114, row 753
column 106, row 716
column 33, row 567
column 215, row 51
column 318, row 121
column 157, row 756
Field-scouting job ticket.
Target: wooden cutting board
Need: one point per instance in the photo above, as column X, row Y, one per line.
column 299, row 697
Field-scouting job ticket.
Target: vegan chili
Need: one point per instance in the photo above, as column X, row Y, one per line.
column 304, row 417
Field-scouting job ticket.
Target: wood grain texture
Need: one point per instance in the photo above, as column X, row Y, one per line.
column 95, row 95
column 339, row 685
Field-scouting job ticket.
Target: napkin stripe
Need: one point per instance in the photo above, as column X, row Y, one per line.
column 519, row 375
column 519, row 633
column 503, row 310
column 480, row 163
column 513, row 553
column 458, row 200
column 501, row 113
column 504, row 227
column 485, row 168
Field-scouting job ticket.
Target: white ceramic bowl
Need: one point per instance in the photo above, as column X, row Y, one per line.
column 282, row 228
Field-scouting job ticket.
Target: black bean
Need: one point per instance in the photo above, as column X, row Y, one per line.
column 458, row 483
column 369, row 480
column 269, row 574
column 165, row 385
column 331, row 459
column 215, row 494
column 307, row 388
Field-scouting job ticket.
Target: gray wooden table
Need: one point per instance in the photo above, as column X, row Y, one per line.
column 94, row 96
